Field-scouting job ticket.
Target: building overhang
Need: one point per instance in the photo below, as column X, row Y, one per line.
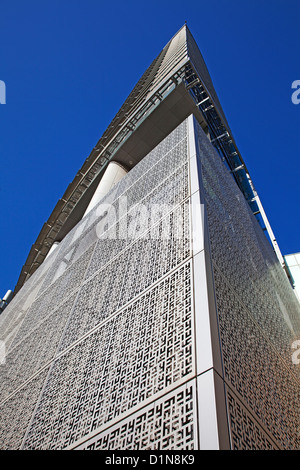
column 163, row 119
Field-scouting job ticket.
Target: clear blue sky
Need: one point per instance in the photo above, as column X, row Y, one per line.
column 69, row 65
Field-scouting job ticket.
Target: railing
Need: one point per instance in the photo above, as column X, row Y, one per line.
column 224, row 144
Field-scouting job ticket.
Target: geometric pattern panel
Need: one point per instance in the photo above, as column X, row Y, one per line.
column 16, row 412
column 167, row 424
column 32, row 351
column 245, row 433
column 259, row 316
column 255, row 370
column 134, row 270
column 105, row 325
column 130, row 357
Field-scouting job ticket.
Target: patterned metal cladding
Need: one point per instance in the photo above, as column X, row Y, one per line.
column 259, row 316
column 103, row 330
column 166, row 424
column 100, row 341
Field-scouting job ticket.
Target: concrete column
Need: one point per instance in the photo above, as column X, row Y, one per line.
column 55, row 244
column 112, row 175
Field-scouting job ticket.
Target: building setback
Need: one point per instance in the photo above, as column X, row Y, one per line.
column 154, row 310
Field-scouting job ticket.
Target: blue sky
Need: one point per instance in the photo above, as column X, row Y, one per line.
column 68, row 66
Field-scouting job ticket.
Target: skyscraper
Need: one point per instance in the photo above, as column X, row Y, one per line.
column 154, row 310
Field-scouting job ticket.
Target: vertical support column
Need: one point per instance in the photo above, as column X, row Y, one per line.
column 53, row 247
column 112, row 175
column 212, row 418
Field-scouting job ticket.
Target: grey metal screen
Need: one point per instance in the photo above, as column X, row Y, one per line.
column 104, row 327
column 259, row 317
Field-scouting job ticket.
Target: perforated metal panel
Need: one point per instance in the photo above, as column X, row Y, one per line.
column 16, row 412
column 106, row 341
column 259, row 316
column 167, row 424
column 126, row 360
column 106, row 323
